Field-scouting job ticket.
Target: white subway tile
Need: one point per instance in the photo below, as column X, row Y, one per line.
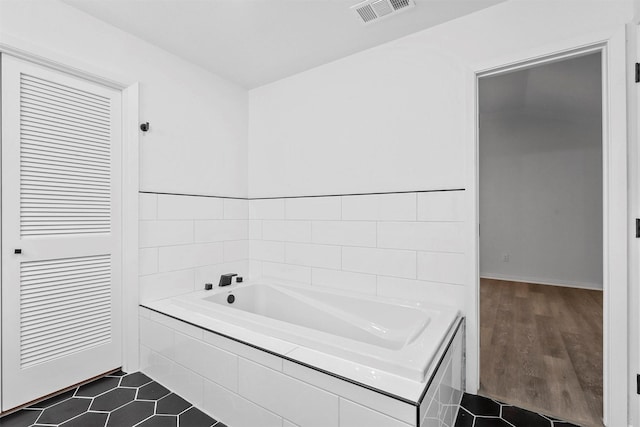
column 344, row 280
column 144, row 312
column 155, row 365
column 147, row 261
column 386, row 262
column 212, row 363
column 255, row 229
column 173, row 376
column 189, row 207
column 236, row 250
column 266, row 250
column 164, row 285
column 426, row 402
column 266, row 209
column 442, row 267
column 188, row 256
column 354, row 415
column 147, row 206
column 255, row 269
column 380, row 207
column 392, row 407
column 234, row 410
column 448, row 416
column 236, row 209
column 220, row 230
column 313, row 255
column 344, row 233
column 165, row 233
column 458, row 369
column 175, row 324
column 286, row 272
column 422, row 236
column 419, row 290
column 441, row 206
column 431, row 416
column 313, row 208
column 146, row 356
column 206, row 207
column 157, row 337
column 287, row 231
column 242, row 350
column 212, row 273
column 261, row 341
column 446, row 390
column 185, row 383
column 299, row 402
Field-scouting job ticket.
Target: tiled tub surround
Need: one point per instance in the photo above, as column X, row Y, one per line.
column 387, row 336
column 401, row 245
column 404, row 245
column 247, row 379
column 186, row 241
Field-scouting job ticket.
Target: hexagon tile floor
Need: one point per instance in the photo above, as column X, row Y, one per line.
column 121, row 400
column 478, row 411
column 117, row 400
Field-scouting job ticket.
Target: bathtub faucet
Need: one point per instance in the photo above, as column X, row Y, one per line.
column 225, row 279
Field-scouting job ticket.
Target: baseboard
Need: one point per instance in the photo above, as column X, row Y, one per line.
column 537, row 281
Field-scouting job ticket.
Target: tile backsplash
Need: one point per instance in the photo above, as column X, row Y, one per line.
column 401, row 245
column 187, row 241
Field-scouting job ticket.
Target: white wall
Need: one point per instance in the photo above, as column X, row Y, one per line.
column 541, row 200
column 198, row 138
column 398, row 117
column 197, row 143
column 541, row 174
column 393, row 118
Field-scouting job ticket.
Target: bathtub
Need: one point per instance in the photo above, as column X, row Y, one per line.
column 398, row 337
column 250, row 341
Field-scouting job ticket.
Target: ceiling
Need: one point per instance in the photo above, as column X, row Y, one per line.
column 255, row 42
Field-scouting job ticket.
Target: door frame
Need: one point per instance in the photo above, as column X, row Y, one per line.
column 56, row 60
column 612, row 45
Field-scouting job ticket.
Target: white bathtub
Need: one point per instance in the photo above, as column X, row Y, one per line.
column 398, row 337
column 345, row 359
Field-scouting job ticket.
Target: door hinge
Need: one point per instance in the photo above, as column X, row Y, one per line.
column 638, row 228
column 637, row 72
column 638, row 383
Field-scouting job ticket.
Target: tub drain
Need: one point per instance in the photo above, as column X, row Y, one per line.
column 231, row 299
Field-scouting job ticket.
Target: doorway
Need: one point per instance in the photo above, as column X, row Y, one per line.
column 540, row 155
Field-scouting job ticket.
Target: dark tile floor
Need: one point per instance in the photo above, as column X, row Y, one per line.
column 128, row 400
column 478, row 411
column 117, row 400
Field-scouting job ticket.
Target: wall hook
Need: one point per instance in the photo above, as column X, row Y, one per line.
column 144, row 127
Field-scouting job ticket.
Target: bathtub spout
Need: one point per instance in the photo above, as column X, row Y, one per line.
column 226, row 279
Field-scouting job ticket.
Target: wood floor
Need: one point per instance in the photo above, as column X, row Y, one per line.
column 541, row 349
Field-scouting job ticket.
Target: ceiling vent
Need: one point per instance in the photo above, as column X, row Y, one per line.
column 370, row 11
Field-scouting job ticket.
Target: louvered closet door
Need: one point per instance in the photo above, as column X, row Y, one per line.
column 61, row 139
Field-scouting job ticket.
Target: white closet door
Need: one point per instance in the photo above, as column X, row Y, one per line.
column 61, row 231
